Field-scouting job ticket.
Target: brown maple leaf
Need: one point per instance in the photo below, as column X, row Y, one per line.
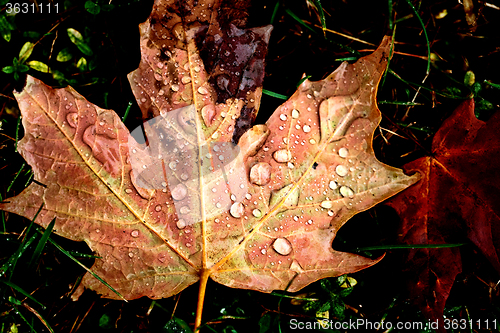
column 458, row 197
column 189, row 205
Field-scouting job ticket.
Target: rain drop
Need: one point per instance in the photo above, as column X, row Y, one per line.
column 237, row 210
column 341, row 170
column 257, row 213
column 134, row 233
column 179, row 192
column 181, row 224
column 282, row 155
column 346, row 191
column 282, row 246
column 260, row 173
column 295, row 114
column 343, row 152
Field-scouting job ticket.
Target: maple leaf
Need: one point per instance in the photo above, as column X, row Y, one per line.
column 261, row 215
column 458, row 196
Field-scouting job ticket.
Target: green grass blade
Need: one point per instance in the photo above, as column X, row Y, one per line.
column 273, row 94
column 408, row 246
column 15, row 177
column 129, row 106
column 494, row 85
column 399, row 103
column 86, row 268
column 302, row 80
column 17, row 133
column 42, row 242
column 11, row 262
column 415, row 11
column 298, row 19
column 21, row 291
column 319, row 8
column 22, row 317
column 275, row 11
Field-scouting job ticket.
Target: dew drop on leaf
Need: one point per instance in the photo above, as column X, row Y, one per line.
column 282, row 246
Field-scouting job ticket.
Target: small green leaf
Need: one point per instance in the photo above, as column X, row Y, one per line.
column 64, row 55
column 31, row 34
column 82, row 64
column 105, row 322
column 23, row 68
column 107, row 7
column 92, row 7
column 39, row 66
column 176, row 325
column 57, row 75
column 26, row 50
column 76, row 38
column 8, row 69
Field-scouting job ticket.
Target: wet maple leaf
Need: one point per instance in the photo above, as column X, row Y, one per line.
column 458, row 197
column 261, row 215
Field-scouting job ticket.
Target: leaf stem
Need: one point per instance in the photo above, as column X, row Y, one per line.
column 201, row 297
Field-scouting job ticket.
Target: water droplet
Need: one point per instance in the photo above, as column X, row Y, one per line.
column 185, row 210
column 181, row 224
column 175, row 87
column 306, row 128
column 260, row 173
column 158, row 208
column 128, row 190
column 283, row 117
column 131, row 255
column 186, row 79
column 202, row 90
column 343, row 152
column 237, row 210
column 341, row 170
column 257, row 213
column 282, row 246
column 346, row 191
column 233, row 197
column 333, row 185
column 312, row 141
column 179, row 192
column 215, row 135
column 218, row 205
column 282, row 155
column 197, row 69
column 263, row 251
column 172, row 165
column 134, row 233
column 295, row 113
column 327, row 204
column 188, row 245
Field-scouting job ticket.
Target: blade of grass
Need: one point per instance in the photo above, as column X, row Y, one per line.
column 39, row 316
column 319, row 8
column 408, row 246
column 273, row 94
column 17, row 132
column 302, row 80
column 86, row 268
column 425, row 34
column 127, row 111
column 41, row 243
column 299, row 20
column 11, row 262
column 15, row 177
column 275, row 11
column 20, row 314
column 399, row 103
column 21, row 291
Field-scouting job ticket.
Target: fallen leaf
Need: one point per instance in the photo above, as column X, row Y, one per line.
column 458, row 197
column 260, row 215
